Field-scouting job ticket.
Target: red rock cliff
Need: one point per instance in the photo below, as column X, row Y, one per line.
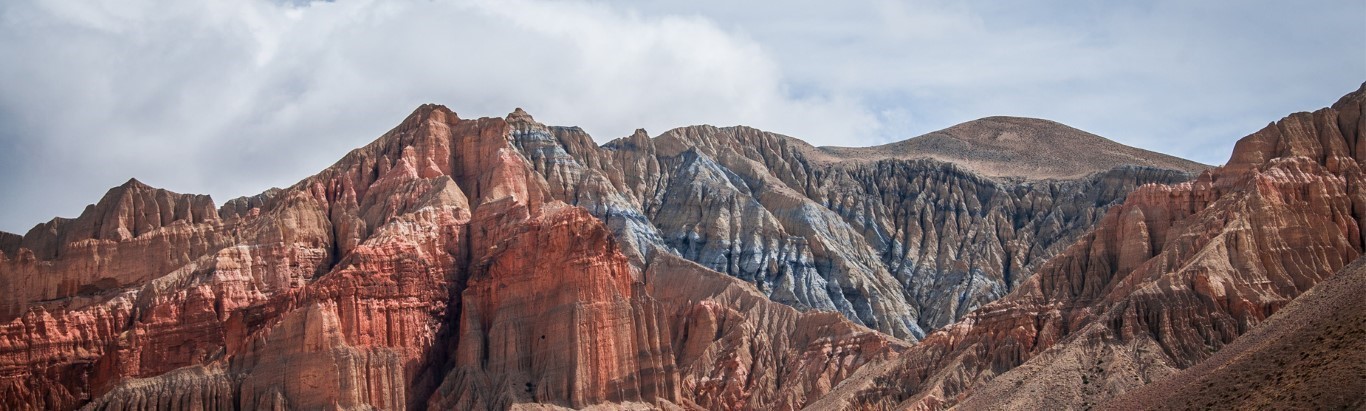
column 428, row 269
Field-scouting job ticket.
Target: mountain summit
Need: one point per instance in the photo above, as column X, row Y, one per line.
column 1029, row 148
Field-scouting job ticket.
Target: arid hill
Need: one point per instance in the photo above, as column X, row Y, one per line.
column 1309, row 355
column 903, row 246
column 1020, row 147
column 1163, row 282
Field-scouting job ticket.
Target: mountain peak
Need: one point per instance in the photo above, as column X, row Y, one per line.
column 132, row 183
column 134, row 207
column 427, row 112
column 519, row 115
column 130, row 187
column 1021, row 147
column 1007, row 128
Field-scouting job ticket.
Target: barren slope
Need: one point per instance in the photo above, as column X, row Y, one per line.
column 1309, row 355
column 1019, row 147
column 901, row 245
column 1166, row 279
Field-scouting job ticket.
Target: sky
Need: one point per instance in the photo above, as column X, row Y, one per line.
column 231, row 97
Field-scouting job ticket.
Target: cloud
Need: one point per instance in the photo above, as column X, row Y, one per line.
column 229, row 97
column 1187, row 78
column 232, row 97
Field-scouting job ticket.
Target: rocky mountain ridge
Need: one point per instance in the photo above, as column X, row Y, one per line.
column 1018, row 147
column 942, row 239
column 1165, row 280
column 899, row 245
column 1309, row 355
column 427, row 269
column 500, row 263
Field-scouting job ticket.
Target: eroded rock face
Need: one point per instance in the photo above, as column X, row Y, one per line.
column 554, row 314
column 737, row 350
column 500, row 263
column 328, row 293
column 1166, row 279
column 889, row 236
column 432, row 268
column 1309, row 355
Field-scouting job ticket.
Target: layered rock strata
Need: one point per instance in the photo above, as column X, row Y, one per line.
column 431, row 268
column 1167, row 279
column 891, row 236
column 1309, row 355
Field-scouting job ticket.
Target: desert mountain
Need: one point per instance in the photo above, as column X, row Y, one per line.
column 901, row 245
column 431, row 268
column 1163, row 282
column 1020, row 147
column 1309, row 355
column 501, row 263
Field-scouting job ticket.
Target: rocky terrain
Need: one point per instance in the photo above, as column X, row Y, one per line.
column 894, row 240
column 1164, row 281
column 1309, row 355
column 499, row 263
column 431, row 268
column 1017, row 147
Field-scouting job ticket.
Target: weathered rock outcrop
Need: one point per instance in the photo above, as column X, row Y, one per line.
column 499, row 263
column 737, row 350
column 889, row 236
column 1309, row 355
column 1166, row 279
column 431, row 268
column 329, row 293
column 111, row 230
column 553, row 313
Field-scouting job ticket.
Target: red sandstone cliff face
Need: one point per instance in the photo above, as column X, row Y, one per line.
column 430, row 268
column 1168, row 278
column 330, row 292
column 554, row 313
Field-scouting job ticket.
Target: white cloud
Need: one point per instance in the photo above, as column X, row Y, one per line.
column 230, row 97
column 1182, row 77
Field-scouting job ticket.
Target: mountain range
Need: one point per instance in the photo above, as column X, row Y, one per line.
column 501, row 263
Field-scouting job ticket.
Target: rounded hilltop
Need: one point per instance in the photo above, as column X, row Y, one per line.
column 1019, row 147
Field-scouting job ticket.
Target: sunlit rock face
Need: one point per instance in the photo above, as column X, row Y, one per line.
column 1165, row 280
column 433, row 268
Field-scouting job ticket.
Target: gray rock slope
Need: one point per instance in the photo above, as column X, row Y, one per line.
column 903, row 238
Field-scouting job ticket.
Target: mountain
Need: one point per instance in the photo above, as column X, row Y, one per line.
column 1020, row 147
column 501, row 263
column 1165, row 280
column 901, row 245
column 1309, row 355
column 431, row 268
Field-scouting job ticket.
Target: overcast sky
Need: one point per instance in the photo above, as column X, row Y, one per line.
column 232, row 97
